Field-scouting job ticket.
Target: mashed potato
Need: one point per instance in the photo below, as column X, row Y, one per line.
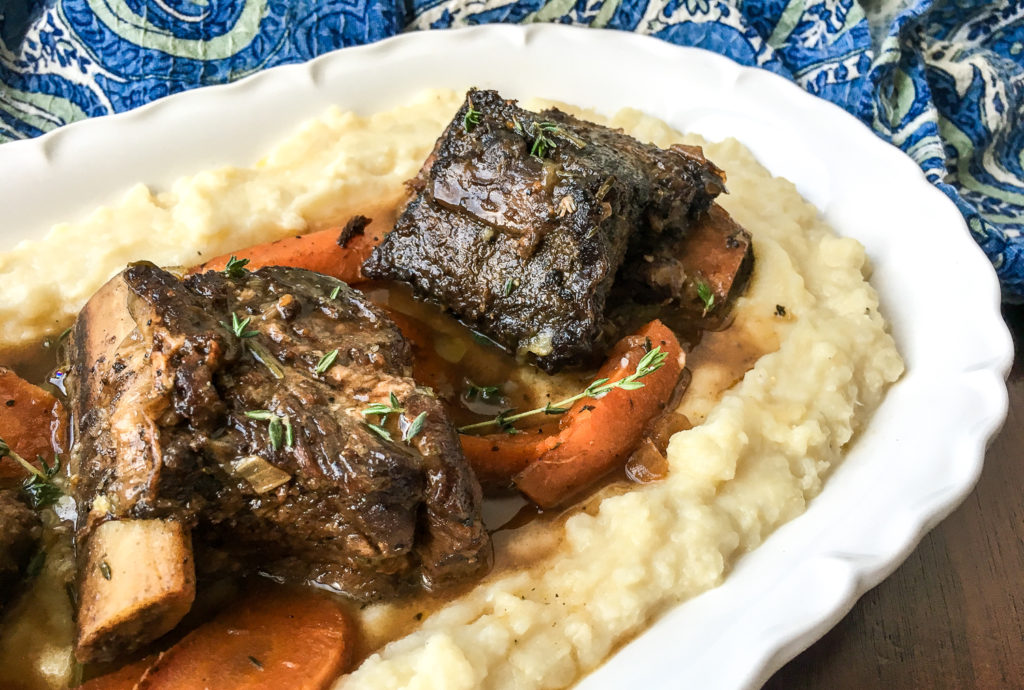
column 763, row 449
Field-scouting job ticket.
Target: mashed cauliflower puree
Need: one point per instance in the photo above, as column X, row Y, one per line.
column 762, row 449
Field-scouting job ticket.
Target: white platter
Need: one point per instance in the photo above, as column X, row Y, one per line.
column 917, row 460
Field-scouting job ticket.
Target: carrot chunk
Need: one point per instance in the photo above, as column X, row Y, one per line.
column 594, row 436
column 279, row 639
column 497, row 458
column 31, row 422
column 317, row 251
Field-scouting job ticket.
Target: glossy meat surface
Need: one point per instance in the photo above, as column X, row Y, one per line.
column 521, row 222
column 163, row 430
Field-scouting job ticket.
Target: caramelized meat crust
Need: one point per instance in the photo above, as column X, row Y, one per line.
column 217, row 403
column 521, row 222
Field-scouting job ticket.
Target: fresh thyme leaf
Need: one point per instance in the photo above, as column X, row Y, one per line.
column 326, row 361
column 542, row 143
column 235, row 267
column 415, row 427
column 275, row 431
column 649, row 363
column 105, row 570
column 472, row 118
column 483, row 392
column 383, row 408
column 41, row 493
column 510, row 285
column 237, row 326
column 706, row 296
column 504, row 419
column 49, row 470
column 280, row 427
column 38, row 486
column 379, row 430
column 335, row 292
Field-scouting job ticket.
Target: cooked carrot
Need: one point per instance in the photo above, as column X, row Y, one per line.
column 31, row 421
column 277, row 639
column 123, row 678
column 594, row 436
column 497, row 458
column 317, row 251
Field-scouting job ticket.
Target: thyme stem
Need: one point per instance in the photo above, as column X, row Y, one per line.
column 650, row 362
column 7, row 452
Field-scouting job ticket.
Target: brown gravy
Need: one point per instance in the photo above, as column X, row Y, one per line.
column 522, row 535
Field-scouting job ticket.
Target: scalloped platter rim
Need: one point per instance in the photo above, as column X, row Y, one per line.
column 920, row 455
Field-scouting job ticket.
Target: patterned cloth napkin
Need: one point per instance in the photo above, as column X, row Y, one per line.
column 942, row 80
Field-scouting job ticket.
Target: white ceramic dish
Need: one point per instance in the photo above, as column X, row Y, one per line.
column 916, row 461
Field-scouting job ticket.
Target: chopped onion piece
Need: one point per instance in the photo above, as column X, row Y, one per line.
column 260, row 474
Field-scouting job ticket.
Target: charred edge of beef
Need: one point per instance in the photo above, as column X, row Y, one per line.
column 168, row 436
column 521, row 222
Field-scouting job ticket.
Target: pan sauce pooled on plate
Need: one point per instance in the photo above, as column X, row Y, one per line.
column 775, row 397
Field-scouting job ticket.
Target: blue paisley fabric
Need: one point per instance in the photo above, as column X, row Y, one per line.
column 942, row 80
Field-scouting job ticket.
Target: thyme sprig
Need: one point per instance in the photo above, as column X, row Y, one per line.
column 236, row 268
column 706, row 296
column 542, row 143
column 383, row 409
column 279, row 429
column 38, row 486
column 237, row 327
column 653, row 360
column 379, row 430
column 415, row 427
column 539, row 132
column 485, row 393
column 326, row 361
column 392, row 406
column 472, row 118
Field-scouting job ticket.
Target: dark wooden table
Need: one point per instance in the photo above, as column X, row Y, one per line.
column 952, row 616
